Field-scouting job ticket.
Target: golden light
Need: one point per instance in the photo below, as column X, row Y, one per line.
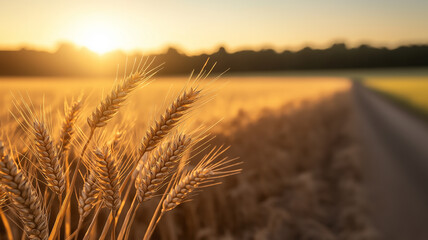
column 98, row 36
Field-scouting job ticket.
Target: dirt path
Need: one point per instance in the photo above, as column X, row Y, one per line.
column 395, row 145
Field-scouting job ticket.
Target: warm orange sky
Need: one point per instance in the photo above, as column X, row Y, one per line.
column 196, row 26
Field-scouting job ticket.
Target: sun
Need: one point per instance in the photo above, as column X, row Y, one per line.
column 99, row 42
column 98, row 36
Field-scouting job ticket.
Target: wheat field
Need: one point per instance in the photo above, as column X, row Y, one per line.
column 411, row 91
column 151, row 154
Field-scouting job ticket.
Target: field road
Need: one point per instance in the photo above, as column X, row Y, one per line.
column 395, row 150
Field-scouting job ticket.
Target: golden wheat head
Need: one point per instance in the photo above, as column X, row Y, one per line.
column 89, row 195
column 111, row 104
column 206, row 172
column 168, row 120
column 24, row 198
column 67, row 129
column 108, row 177
column 162, row 163
column 50, row 165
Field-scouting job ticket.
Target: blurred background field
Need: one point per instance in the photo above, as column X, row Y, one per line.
column 410, row 92
column 303, row 172
column 285, row 131
column 229, row 94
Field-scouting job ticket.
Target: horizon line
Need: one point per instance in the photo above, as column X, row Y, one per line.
column 214, row 49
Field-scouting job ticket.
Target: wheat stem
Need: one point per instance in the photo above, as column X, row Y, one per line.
column 66, row 136
column 6, row 225
column 113, row 229
column 60, row 216
column 152, row 226
column 88, row 231
column 132, row 209
column 132, row 220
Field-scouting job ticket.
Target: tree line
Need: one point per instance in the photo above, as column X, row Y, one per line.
column 70, row 60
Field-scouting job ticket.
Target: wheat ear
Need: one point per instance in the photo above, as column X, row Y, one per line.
column 171, row 116
column 111, row 104
column 67, row 129
column 108, row 178
column 164, row 125
column 48, row 158
column 88, row 196
column 162, row 164
column 203, row 175
column 114, row 142
column 184, row 187
column 24, row 198
column 168, row 120
column 207, row 171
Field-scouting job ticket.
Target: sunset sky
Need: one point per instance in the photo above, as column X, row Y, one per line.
column 198, row 25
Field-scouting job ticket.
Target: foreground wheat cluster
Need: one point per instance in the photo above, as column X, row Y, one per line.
column 169, row 165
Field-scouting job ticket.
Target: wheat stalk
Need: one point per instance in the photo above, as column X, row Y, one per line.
column 66, row 134
column 111, row 104
column 204, row 174
column 24, row 198
column 156, row 133
column 48, row 158
column 104, row 112
column 105, row 171
column 160, row 129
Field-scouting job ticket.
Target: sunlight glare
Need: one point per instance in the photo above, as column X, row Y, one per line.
column 99, row 37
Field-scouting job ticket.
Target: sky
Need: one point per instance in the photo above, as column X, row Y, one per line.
column 196, row 26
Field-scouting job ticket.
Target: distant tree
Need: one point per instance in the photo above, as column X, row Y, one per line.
column 221, row 51
column 70, row 60
column 172, row 52
column 66, row 48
